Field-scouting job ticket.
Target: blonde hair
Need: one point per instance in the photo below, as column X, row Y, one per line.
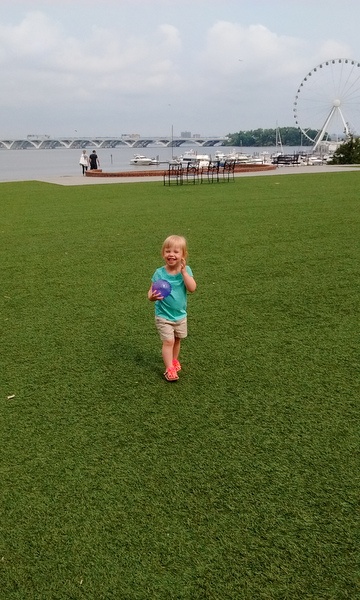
column 175, row 240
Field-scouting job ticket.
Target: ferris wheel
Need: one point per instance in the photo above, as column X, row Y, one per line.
column 328, row 101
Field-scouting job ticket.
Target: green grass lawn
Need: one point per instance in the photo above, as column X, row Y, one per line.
column 240, row 481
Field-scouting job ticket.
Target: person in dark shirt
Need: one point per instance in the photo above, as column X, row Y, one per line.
column 94, row 161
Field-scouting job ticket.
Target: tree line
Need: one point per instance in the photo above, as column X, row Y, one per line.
column 287, row 136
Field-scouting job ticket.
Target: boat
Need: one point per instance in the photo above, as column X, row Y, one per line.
column 140, row 159
column 220, row 156
column 192, row 157
column 285, row 159
column 315, row 160
column 255, row 160
column 237, row 157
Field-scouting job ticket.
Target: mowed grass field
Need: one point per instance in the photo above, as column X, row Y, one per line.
column 240, row 481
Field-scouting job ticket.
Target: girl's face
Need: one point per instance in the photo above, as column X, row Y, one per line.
column 173, row 255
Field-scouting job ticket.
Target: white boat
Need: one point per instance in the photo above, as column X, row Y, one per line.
column 315, row 160
column 221, row 156
column 240, row 157
column 140, row 159
column 255, row 160
column 193, row 157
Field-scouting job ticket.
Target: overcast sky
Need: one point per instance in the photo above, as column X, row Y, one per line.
column 108, row 67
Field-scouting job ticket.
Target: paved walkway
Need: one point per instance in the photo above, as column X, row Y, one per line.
column 281, row 170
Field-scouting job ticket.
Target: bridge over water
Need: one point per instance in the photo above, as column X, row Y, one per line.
column 46, row 142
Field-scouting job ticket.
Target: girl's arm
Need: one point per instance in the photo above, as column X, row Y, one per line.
column 189, row 281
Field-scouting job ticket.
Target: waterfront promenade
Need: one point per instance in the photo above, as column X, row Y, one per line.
column 283, row 170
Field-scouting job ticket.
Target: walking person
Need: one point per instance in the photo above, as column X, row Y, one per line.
column 171, row 311
column 84, row 162
column 94, row 161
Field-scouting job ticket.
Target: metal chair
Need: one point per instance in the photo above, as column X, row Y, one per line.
column 211, row 171
column 229, row 170
column 174, row 174
column 192, row 172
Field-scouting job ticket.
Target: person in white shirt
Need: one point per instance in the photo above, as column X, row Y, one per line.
column 84, row 162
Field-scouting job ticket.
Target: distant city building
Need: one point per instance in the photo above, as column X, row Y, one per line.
column 185, row 134
column 197, row 135
column 130, row 135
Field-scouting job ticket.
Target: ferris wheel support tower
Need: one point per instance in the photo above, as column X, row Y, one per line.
column 335, row 109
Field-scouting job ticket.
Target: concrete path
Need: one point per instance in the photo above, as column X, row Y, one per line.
column 281, row 170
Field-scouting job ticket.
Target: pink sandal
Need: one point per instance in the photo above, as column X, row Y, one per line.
column 171, row 374
column 176, row 364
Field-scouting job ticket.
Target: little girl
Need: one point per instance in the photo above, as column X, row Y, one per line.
column 170, row 312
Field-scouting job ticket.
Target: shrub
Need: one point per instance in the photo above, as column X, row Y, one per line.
column 348, row 153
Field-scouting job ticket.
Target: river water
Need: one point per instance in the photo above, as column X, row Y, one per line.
column 23, row 165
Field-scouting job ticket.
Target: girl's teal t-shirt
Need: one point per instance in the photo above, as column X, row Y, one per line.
column 173, row 307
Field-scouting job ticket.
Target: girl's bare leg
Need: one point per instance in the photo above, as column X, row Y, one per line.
column 168, row 352
column 176, row 348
